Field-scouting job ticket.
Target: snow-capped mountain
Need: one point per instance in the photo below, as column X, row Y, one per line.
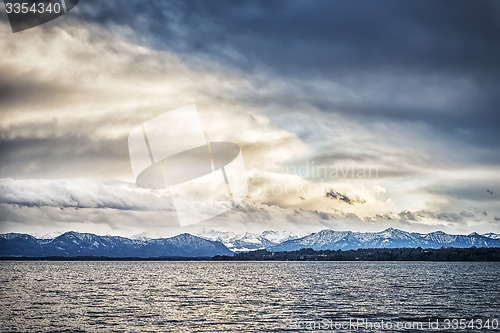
column 249, row 241
column 492, row 235
column 279, row 236
column 73, row 244
column 51, row 235
column 389, row 238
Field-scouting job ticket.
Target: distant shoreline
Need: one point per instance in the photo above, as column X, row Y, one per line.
column 484, row 254
column 91, row 258
column 392, row 254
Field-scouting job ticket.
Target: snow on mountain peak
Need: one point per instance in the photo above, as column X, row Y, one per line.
column 492, row 235
column 249, row 241
column 51, row 235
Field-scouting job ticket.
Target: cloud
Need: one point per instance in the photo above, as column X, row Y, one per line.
column 43, row 206
column 75, row 122
column 347, row 34
column 437, row 68
column 81, row 193
column 324, row 85
column 334, row 194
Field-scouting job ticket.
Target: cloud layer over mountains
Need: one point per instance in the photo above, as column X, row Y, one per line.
column 316, row 93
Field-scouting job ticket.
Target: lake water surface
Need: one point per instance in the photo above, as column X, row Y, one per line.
column 248, row 296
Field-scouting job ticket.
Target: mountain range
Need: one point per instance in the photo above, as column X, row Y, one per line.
column 73, row 244
column 347, row 240
column 389, row 238
column 211, row 243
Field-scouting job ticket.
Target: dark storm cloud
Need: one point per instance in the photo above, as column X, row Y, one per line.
column 62, row 156
column 469, row 189
column 326, row 35
column 334, row 194
column 17, row 88
column 435, row 62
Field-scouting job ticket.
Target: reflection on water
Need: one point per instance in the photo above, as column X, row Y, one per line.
column 239, row 296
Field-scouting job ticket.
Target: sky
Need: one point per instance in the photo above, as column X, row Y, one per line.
column 350, row 115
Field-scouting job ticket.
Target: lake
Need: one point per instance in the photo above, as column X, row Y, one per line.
column 249, row 296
